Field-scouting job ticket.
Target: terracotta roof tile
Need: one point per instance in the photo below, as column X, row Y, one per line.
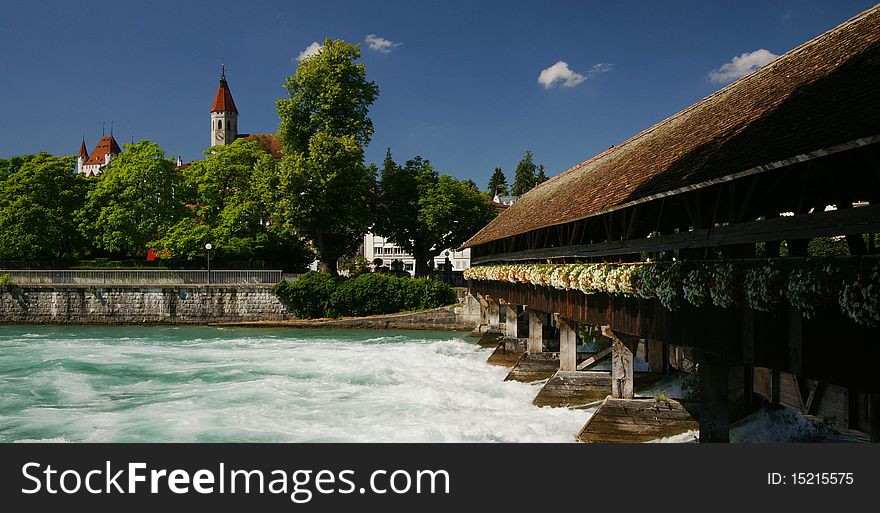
column 223, row 100
column 269, row 143
column 824, row 93
column 107, row 145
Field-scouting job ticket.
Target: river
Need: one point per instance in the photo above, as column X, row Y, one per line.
column 207, row 384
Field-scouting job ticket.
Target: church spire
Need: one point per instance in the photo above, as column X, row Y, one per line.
column 83, row 152
column 223, row 100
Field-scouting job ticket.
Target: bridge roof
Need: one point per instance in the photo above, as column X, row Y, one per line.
column 822, row 94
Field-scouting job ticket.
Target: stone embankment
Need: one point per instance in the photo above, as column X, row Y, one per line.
column 242, row 305
column 204, row 304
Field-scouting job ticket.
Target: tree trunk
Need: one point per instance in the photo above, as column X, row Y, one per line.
column 421, row 269
column 327, row 263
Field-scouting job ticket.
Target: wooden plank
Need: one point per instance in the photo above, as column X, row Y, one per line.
column 594, row 359
column 534, row 367
column 507, row 353
column 490, row 339
column 851, row 221
column 572, row 389
column 637, row 420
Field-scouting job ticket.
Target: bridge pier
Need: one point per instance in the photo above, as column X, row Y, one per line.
column 484, row 312
column 714, row 400
column 536, row 332
column 510, row 322
column 567, row 343
column 621, row 366
column 494, row 314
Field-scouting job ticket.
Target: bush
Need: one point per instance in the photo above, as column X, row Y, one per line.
column 309, row 296
column 320, row 295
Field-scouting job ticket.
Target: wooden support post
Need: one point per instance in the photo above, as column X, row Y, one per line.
column 874, row 410
column 621, row 366
column 642, row 350
column 656, row 362
column 795, row 341
column 774, row 387
column 484, row 311
column 567, row 344
column 510, row 321
column 748, row 387
column 494, row 316
column 714, row 415
column 536, row 332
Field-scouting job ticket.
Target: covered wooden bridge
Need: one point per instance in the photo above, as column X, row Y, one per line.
column 708, row 234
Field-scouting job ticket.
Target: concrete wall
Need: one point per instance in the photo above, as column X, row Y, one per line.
column 139, row 305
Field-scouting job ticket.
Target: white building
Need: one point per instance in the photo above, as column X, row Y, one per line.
column 380, row 247
column 93, row 165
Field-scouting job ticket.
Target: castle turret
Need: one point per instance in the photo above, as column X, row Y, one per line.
column 82, row 157
column 224, row 115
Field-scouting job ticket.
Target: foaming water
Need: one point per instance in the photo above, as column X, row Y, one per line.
column 186, row 384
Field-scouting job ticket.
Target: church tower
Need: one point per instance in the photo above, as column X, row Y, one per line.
column 224, row 115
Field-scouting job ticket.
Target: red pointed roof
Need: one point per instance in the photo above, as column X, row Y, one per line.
column 83, row 152
column 107, row 145
column 223, row 100
column 269, row 142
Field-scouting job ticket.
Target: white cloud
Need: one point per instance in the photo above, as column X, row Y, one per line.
column 561, row 74
column 380, row 44
column 602, row 67
column 310, row 50
column 741, row 66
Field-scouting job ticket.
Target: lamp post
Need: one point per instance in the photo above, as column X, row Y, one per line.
column 208, row 247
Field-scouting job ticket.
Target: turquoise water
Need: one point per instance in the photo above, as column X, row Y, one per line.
column 204, row 384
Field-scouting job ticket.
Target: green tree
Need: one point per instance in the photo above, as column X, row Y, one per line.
column 38, row 199
column 137, row 200
column 425, row 212
column 324, row 190
column 229, row 210
column 541, row 177
column 524, row 179
column 498, row 183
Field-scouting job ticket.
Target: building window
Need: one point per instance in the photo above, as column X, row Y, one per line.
column 408, row 267
column 219, row 124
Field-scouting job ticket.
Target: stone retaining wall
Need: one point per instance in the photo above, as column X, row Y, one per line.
column 139, row 305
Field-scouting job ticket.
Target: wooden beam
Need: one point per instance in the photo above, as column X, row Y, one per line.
column 850, row 221
column 586, row 364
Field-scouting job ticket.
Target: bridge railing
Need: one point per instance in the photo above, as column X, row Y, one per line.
column 142, row 277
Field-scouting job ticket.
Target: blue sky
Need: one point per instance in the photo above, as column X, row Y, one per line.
column 459, row 80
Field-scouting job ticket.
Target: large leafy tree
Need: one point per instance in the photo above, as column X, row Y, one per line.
column 38, row 197
column 524, row 179
column 498, row 183
column 425, row 212
column 324, row 188
column 227, row 208
column 137, row 200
